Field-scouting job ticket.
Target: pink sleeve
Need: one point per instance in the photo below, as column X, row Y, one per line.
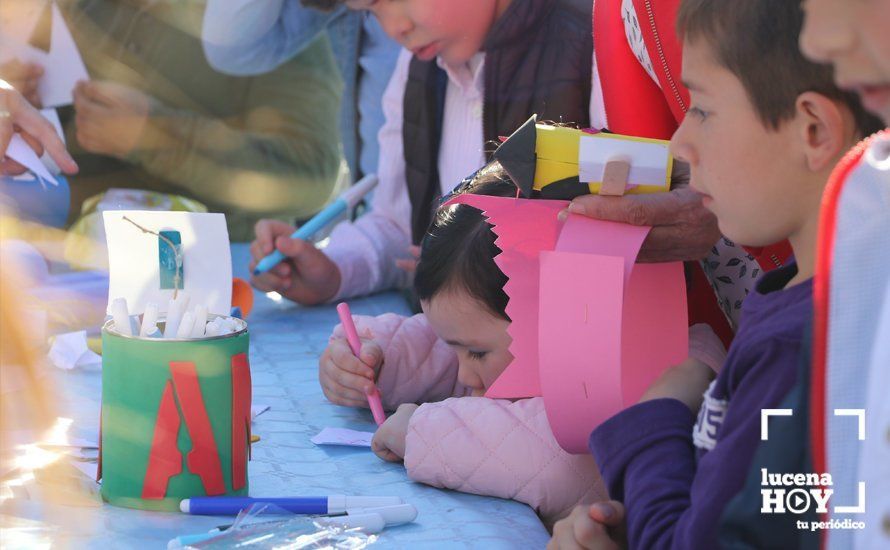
column 418, row 367
column 365, row 250
column 705, row 346
column 499, row 448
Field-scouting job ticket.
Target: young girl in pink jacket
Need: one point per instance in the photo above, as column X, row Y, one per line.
column 445, row 359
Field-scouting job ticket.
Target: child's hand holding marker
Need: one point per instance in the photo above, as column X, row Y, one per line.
column 284, row 259
column 389, row 441
column 355, row 345
column 346, row 379
column 306, row 276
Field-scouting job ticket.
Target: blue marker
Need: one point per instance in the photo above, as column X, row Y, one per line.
column 344, row 203
column 368, row 523
column 334, row 504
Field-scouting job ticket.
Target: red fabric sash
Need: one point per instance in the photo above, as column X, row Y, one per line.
column 635, row 105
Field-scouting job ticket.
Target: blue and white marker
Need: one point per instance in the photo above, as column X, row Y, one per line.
column 333, row 504
column 345, row 202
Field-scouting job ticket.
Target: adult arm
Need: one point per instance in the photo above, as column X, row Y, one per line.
column 283, row 149
column 248, row 37
column 682, row 228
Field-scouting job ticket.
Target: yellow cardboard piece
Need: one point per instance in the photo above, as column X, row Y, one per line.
column 558, row 149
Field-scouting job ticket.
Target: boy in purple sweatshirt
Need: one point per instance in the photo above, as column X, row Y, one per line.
column 763, row 132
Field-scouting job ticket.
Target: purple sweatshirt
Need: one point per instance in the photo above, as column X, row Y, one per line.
column 674, row 474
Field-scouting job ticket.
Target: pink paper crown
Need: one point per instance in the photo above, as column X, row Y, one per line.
column 590, row 328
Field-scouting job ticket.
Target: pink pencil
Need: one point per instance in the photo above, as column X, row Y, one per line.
column 356, row 345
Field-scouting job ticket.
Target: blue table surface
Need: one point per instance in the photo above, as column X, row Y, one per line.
column 285, row 343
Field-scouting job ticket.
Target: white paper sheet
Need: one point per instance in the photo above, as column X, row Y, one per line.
column 70, row 350
column 648, row 160
column 63, row 65
column 89, row 469
column 133, row 259
column 343, row 436
column 22, row 153
column 53, row 117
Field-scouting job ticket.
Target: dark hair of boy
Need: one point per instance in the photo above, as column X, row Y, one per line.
column 458, row 250
column 756, row 40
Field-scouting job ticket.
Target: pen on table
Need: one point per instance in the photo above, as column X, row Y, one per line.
column 356, row 345
column 346, row 201
column 333, row 504
column 397, row 514
column 368, row 523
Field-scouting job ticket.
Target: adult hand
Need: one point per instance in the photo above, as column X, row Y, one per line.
column 389, row 440
column 686, row 382
column 307, row 276
column 24, row 77
column 682, row 228
column 16, row 115
column 110, row 117
column 600, row 526
column 346, row 379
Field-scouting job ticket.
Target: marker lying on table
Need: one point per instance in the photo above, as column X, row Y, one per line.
column 368, row 520
column 334, row 504
column 356, row 345
column 397, row 514
column 345, row 202
column 369, row 524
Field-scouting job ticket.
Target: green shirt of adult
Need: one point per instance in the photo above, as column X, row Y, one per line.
column 156, row 116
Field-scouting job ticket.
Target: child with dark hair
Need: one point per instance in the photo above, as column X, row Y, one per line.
column 765, row 129
column 457, row 348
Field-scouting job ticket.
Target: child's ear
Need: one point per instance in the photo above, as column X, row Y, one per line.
column 826, row 130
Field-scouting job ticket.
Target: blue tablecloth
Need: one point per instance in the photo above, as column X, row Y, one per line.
column 286, row 341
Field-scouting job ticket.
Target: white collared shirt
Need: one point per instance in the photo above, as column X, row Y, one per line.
column 366, row 250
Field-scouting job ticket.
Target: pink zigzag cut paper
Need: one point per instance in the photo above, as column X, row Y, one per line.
column 524, row 229
column 590, row 328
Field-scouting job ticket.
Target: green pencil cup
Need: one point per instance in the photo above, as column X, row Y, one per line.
column 175, row 418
